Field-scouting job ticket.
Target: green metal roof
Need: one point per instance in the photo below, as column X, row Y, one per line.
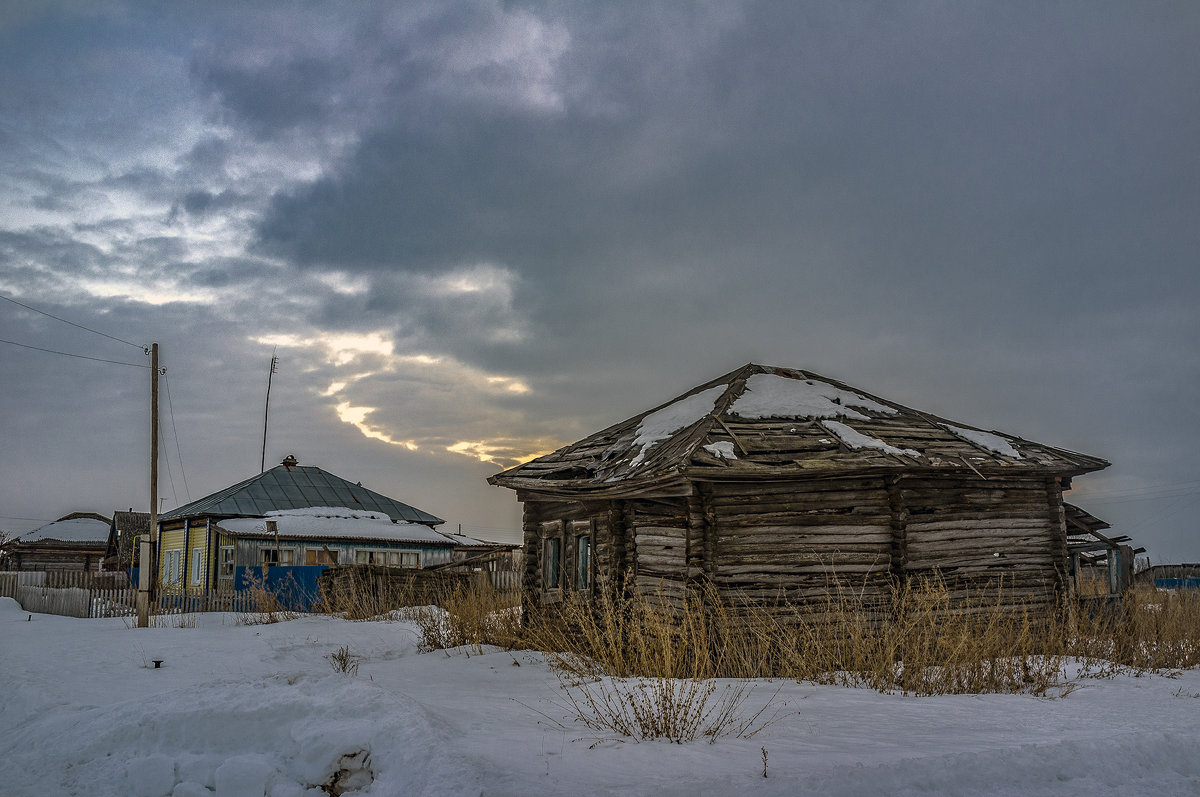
column 298, row 487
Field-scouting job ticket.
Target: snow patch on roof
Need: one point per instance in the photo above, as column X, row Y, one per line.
column 326, row 522
column 775, row 396
column 992, row 442
column 73, row 530
column 722, row 449
column 663, row 423
column 856, row 439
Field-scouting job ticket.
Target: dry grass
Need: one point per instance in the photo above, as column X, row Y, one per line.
column 269, row 607
column 676, row 709
column 344, row 661
column 926, row 642
column 469, row 616
column 643, row 667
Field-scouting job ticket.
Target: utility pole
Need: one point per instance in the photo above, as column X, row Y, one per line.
column 147, row 562
column 266, row 409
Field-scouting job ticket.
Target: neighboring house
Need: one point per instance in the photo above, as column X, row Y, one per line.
column 774, row 484
column 124, row 532
column 1172, row 577
column 73, row 542
column 291, row 516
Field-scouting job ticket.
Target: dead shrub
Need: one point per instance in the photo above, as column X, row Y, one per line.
column 343, row 661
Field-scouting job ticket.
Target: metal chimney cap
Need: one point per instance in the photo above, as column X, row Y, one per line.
column 289, row 461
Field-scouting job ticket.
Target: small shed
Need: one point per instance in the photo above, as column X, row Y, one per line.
column 73, row 542
column 779, row 486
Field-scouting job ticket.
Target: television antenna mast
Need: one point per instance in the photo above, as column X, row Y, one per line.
column 267, row 409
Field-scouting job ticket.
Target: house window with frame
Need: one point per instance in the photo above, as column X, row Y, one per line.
column 172, row 570
column 320, row 556
column 551, row 556
column 583, row 562
column 277, row 557
column 226, row 561
column 197, row 565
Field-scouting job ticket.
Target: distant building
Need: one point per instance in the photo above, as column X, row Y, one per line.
column 292, row 516
column 73, row 542
column 125, row 530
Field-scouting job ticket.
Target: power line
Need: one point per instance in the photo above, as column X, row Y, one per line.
column 69, row 354
column 170, row 475
column 174, row 431
column 72, row 323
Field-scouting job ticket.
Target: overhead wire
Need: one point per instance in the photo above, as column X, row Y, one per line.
column 72, row 323
column 175, row 432
column 69, row 354
column 170, row 475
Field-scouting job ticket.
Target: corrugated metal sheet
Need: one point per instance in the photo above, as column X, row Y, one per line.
column 298, row 487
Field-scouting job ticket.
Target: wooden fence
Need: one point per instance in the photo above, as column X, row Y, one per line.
column 78, row 594
column 93, row 599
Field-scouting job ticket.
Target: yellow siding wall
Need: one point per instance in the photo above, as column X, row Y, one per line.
column 168, row 541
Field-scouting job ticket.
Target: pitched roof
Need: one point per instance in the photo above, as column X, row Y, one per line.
column 77, row 527
column 291, row 486
column 765, row 422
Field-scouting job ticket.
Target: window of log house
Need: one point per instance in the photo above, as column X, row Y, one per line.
column 581, row 530
column 552, row 555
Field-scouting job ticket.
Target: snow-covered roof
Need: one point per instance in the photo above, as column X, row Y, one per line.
column 767, row 422
column 71, row 529
column 335, row 523
column 464, row 541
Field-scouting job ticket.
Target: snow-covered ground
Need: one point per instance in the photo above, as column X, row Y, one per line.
column 258, row 709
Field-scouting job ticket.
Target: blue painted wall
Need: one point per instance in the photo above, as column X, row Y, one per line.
column 1177, row 583
column 296, row 586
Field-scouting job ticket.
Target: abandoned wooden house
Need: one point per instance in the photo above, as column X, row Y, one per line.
column 73, row 542
column 777, row 486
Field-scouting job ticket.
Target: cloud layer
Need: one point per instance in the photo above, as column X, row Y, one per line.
column 476, row 231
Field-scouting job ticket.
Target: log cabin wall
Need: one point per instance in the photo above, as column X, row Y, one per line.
column 661, row 548
column 799, row 541
column 1004, row 536
column 567, row 522
column 796, row 542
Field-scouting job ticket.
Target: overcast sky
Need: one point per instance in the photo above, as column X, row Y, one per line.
column 477, row 231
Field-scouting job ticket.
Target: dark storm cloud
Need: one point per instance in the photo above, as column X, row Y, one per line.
column 986, row 211
column 924, row 167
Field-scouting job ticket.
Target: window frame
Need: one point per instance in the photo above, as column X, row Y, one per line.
column 316, row 555
column 223, row 561
column 584, row 577
column 172, row 576
column 197, row 566
column 551, row 539
column 285, row 556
